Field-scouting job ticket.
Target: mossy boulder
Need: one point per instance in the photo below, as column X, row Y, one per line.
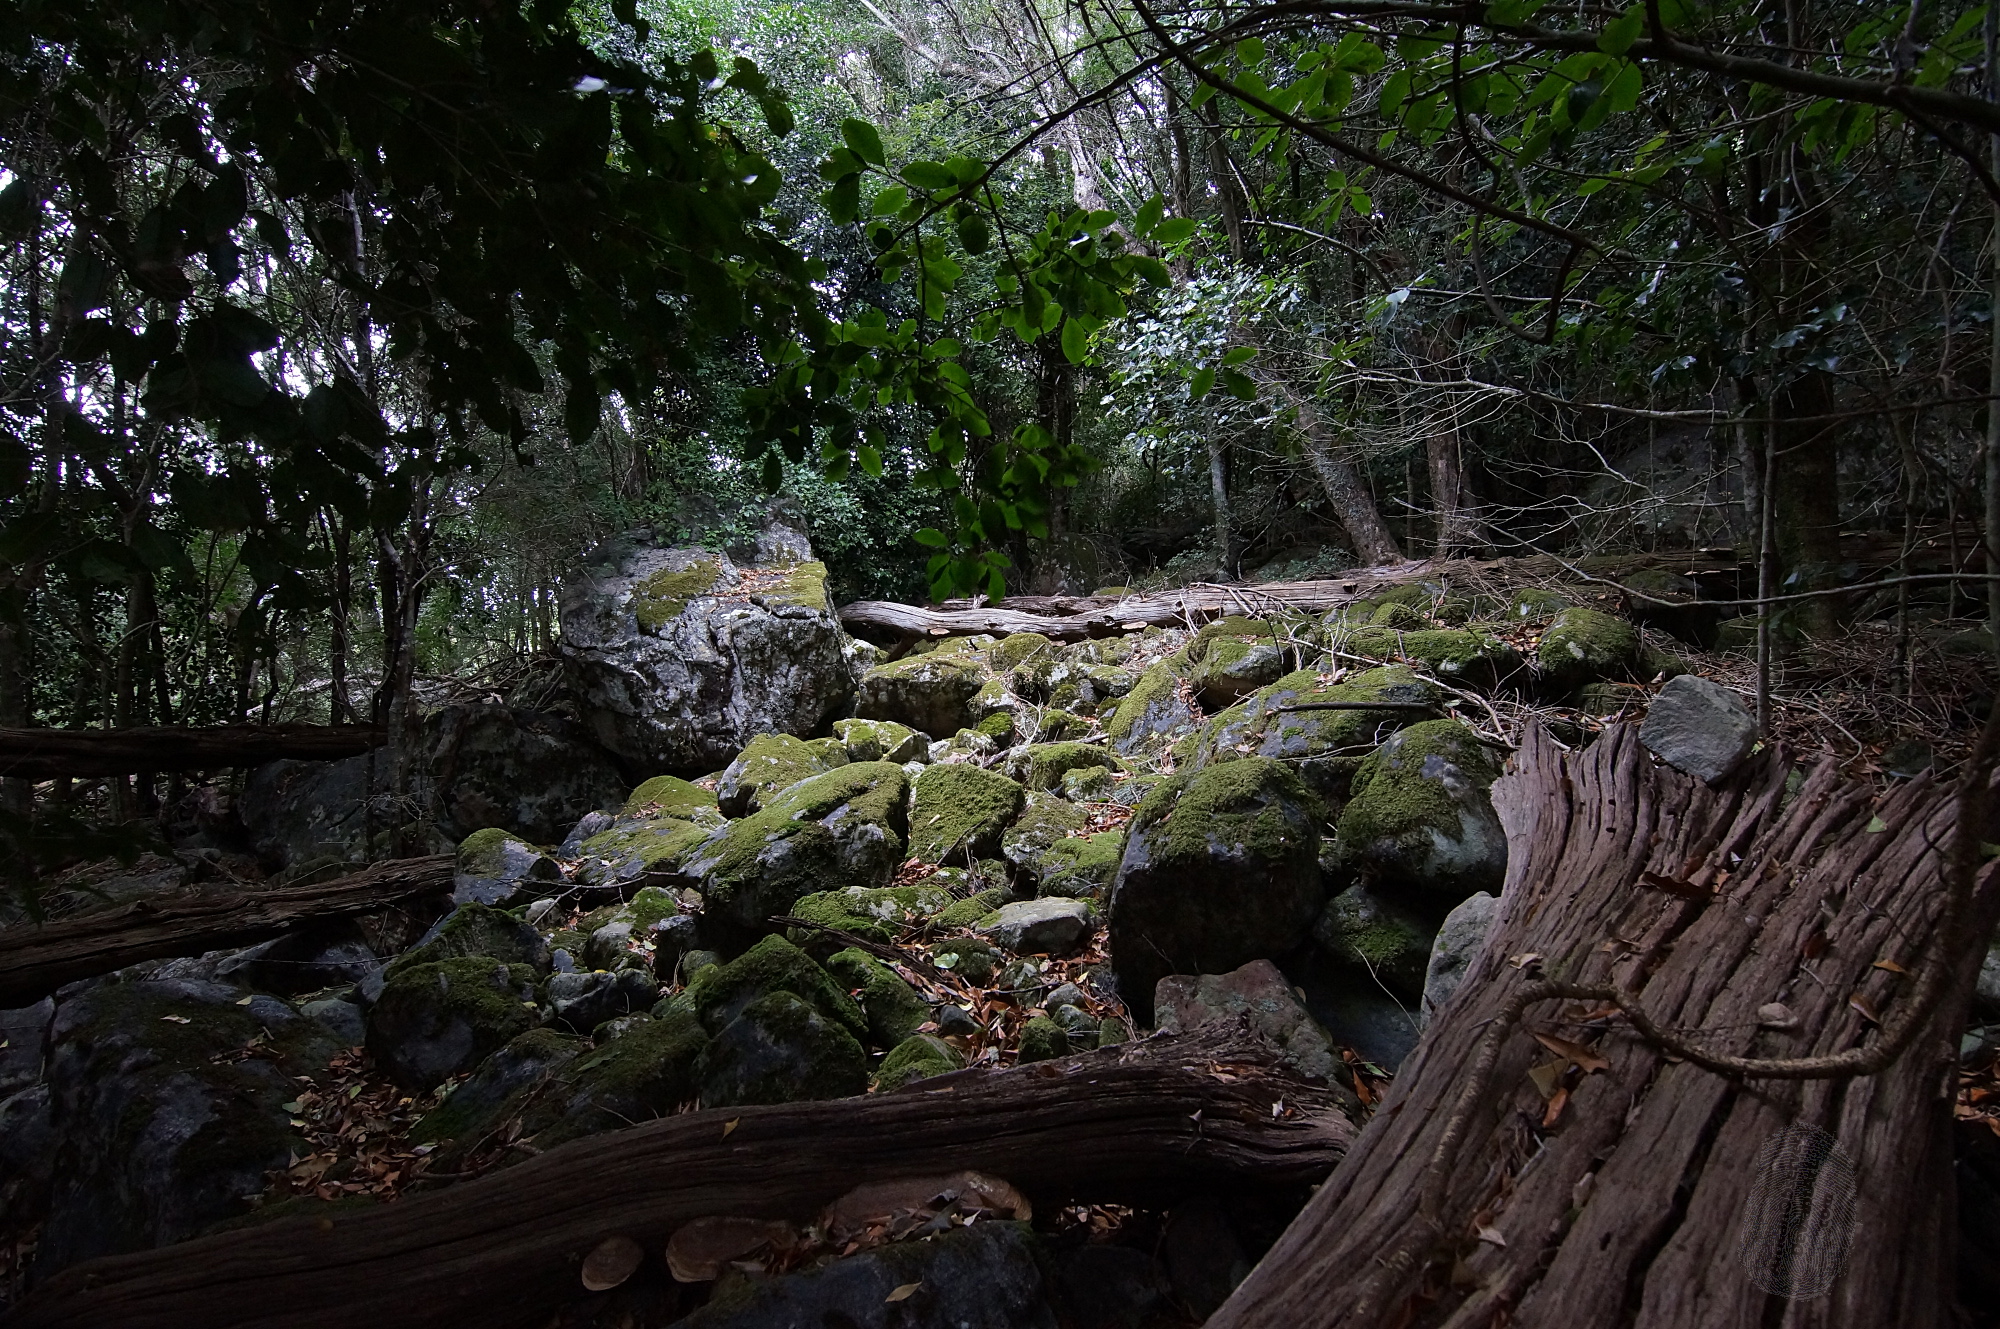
column 645, row 850
column 1388, row 941
column 1662, row 599
column 583, row 1000
column 160, row 1128
column 481, row 931
column 879, row 913
column 932, row 692
column 1155, row 705
column 1045, row 820
column 497, row 1090
column 847, row 825
column 892, row 1006
column 719, row 993
column 769, row 765
column 1325, row 747
column 1042, row 1039
column 1041, row 766
column 959, row 809
column 1456, row 654
column 441, row 1018
column 670, row 796
column 1081, row 866
column 973, row 959
column 498, row 868
column 1534, row 605
column 1588, row 645
column 1234, row 667
column 1420, row 820
column 1258, row 993
column 781, row 1049
column 968, row 911
column 881, row 740
column 645, row 1071
column 1221, row 866
column 918, row 1057
column 1088, row 784
column 1396, row 617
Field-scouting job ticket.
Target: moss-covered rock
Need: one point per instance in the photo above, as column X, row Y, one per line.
column 654, row 850
column 497, row 1090
column 892, row 1006
column 881, row 740
column 1042, row 1039
column 583, row 1000
column 968, row 911
column 646, row 1071
column 1398, row 617
column 975, row 960
column 1234, row 667
column 959, row 809
column 1155, row 705
column 480, row 931
column 847, row 825
column 1325, row 747
column 1533, row 605
column 770, row 764
column 1081, row 866
column 501, row 869
column 1420, row 819
column 879, row 913
column 781, row 1049
column 1009, row 653
column 719, row 993
column 916, row 1058
column 1088, row 784
column 1390, row 942
column 1220, row 867
column 930, row 692
column 664, row 595
column 1586, row 645
column 670, row 796
column 1041, row 766
column 1045, row 820
column 1458, row 654
column 441, row 1018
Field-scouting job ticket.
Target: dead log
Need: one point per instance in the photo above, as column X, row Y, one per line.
column 1138, row 1121
column 1623, row 1202
column 36, row 959
column 43, row 754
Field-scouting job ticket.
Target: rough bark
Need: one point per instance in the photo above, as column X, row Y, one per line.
column 41, row 754
column 1144, row 1120
column 1352, row 504
column 36, row 959
column 1625, row 1210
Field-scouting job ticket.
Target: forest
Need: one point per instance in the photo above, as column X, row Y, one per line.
column 985, row 664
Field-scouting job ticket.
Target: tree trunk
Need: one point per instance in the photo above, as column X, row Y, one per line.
column 39, row 754
column 1447, row 476
column 35, row 960
column 1623, row 1205
column 1218, row 488
column 1808, row 498
column 1352, row 504
column 1150, row 1120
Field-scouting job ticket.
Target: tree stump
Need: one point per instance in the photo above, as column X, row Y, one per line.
column 1618, row 1197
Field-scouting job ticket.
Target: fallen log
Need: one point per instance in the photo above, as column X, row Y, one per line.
column 43, row 754
column 1149, row 1119
column 1594, row 1179
column 36, row 959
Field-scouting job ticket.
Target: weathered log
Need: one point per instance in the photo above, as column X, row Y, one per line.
column 41, row 754
column 1624, row 1205
column 1143, row 1120
column 36, row 959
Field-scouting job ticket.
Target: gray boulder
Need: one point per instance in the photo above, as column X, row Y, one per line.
column 1325, row 747
column 781, row 1050
column 1048, row 926
column 584, row 1000
column 160, row 1129
column 442, row 1018
column 497, row 868
column 1452, row 952
column 679, row 657
column 1183, row 1002
column 306, row 959
column 1698, row 726
column 1392, row 943
column 1420, row 822
column 932, row 693
column 1220, row 867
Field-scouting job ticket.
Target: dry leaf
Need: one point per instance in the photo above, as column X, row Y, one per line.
column 730, row 1125
column 1553, row 1113
column 903, row 1293
column 245, row 1001
column 1547, row 1077
column 1491, row 1235
column 175, row 1019
column 1891, row 966
column 1861, row 1006
column 1776, row 1015
column 1523, row 960
column 878, row 1201
column 615, row 1260
column 1580, row 1053
column 698, row 1250
column 1815, row 946
column 1676, row 886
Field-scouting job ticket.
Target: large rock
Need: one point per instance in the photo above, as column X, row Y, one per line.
column 892, row 1006
column 916, row 1058
column 959, row 811
column 1234, row 657
column 932, row 692
column 1158, row 704
column 1050, row 926
column 442, row 1018
column 846, row 827
column 1454, row 948
column 1698, row 726
column 1420, row 821
column 162, row 1128
column 1221, row 867
column 1585, row 645
column 679, row 657
column 1392, row 943
column 781, row 1050
column 1183, row 1002
column 1464, row 654
column 720, row 993
column 769, row 765
column 878, row 914
column 500, row 869
column 1325, row 747
column 985, row 1276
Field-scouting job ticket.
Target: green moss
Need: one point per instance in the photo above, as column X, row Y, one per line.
column 802, row 584
column 669, row 796
column 964, row 913
column 781, row 1049
column 1397, row 615
column 479, row 853
column 477, row 930
column 648, row 1070
column 864, row 791
column 1359, row 929
column 916, row 1058
column 1042, row 1039
column 770, row 764
column 1009, row 652
column 1240, row 803
column 1043, row 765
column 1399, row 791
column 1235, row 630
column 1583, row 644
column 1452, row 652
column 662, row 597
column 1082, row 866
column 879, row 740
column 1153, row 706
column 893, row 1008
column 998, row 726
column 1325, row 747
column 1535, row 604
column 877, row 913
column 483, row 996
column 931, row 692
column 497, row 1088
column 632, row 851
column 719, row 993
column 960, row 808
column 971, row 958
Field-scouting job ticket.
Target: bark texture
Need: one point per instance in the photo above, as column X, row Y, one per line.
column 1140, row 1120
column 1624, row 1208
column 42, row 754
column 36, row 959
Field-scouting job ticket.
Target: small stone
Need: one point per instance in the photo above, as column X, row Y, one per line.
column 1069, row 994
column 1454, row 947
column 1184, row 1002
column 1042, row 1039
column 1048, row 926
column 1698, row 726
column 956, row 1022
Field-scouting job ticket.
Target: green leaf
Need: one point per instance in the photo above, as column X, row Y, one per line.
column 1875, row 826
column 929, row 175
column 1239, row 385
column 1239, row 355
column 1622, row 89
column 1149, row 216
column 890, row 201
column 1200, row 382
column 860, row 136
column 1174, row 231
column 930, row 536
column 843, row 201
column 1622, row 31
column 870, row 459
column 1509, row 13
column 1075, row 341
column 972, row 233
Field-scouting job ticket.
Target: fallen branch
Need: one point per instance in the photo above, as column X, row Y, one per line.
column 1140, row 1121
column 43, row 754
column 36, row 959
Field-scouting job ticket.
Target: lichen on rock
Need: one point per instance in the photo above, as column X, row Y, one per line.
column 768, row 765
column 1325, row 747
column 959, row 809
column 1585, row 645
